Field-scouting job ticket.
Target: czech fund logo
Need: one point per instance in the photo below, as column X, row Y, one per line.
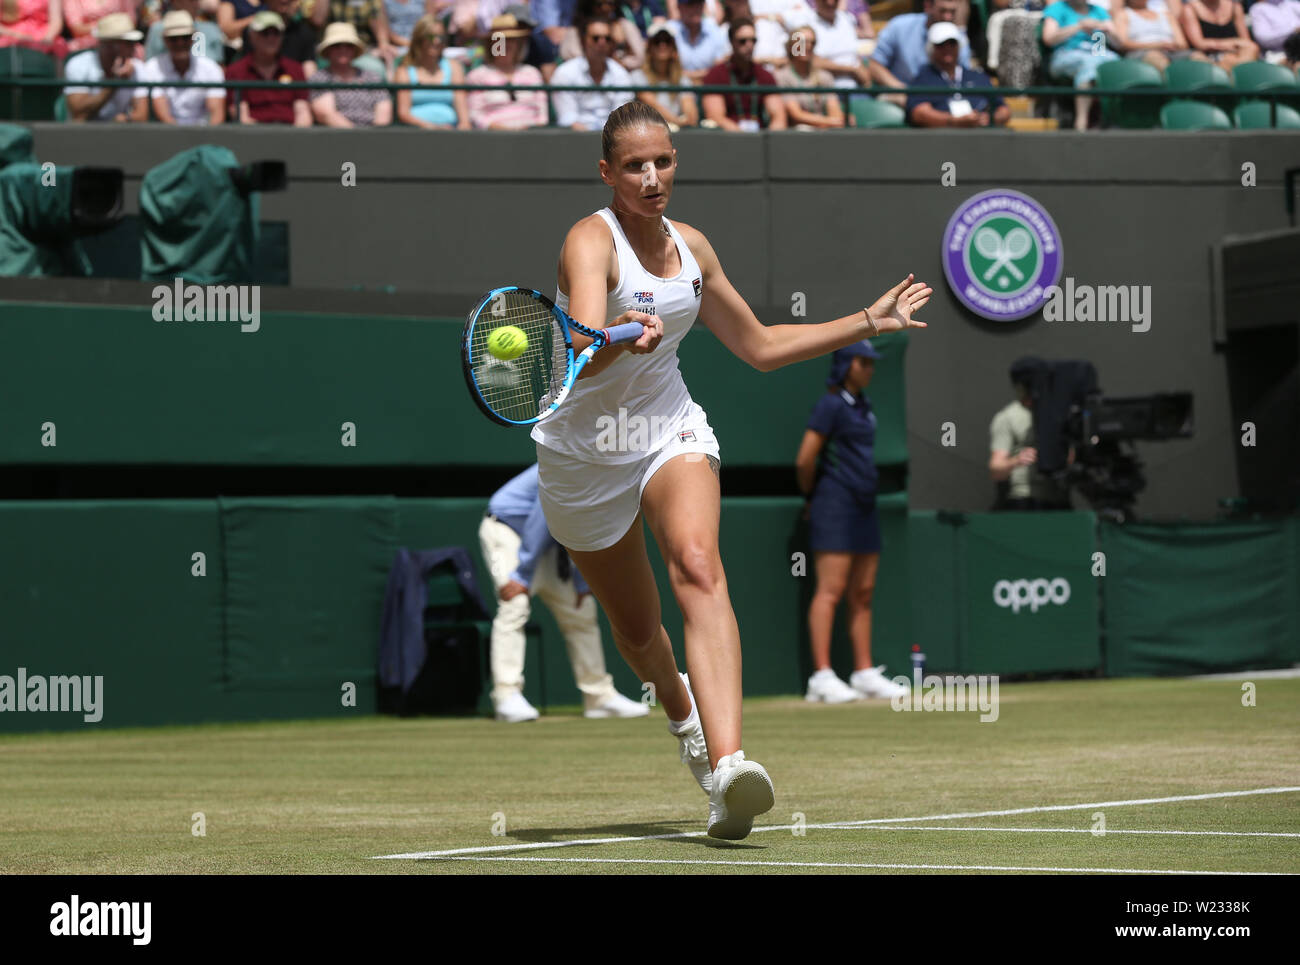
column 1001, row 252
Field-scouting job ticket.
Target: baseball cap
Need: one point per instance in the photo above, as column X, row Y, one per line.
column 265, row 20
column 843, row 357
column 943, row 31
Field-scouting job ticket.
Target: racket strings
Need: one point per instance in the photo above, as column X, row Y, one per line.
column 519, row 388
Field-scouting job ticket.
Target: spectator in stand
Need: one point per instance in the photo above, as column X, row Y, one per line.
column 112, row 58
column 1217, row 28
column 808, row 112
column 1291, row 50
column 664, row 67
column 1069, row 29
column 402, row 16
column 1151, row 36
column 770, row 30
column 426, row 63
column 647, row 16
column 837, row 41
column 587, row 111
column 713, row 9
column 701, row 43
column 80, row 17
column 629, row 45
column 268, row 105
column 33, row 23
column 1272, row 22
column 900, row 48
column 301, row 35
column 553, row 17
column 1012, row 37
column 494, row 110
column 960, row 108
column 349, row 106
column 748, row 111
column 212, row 45
column 234, row 16
column 184, row 105
column 367, row 18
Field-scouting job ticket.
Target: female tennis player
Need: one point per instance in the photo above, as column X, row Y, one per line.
column 629, row 443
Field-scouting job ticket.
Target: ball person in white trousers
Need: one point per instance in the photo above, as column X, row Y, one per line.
column 526, row 561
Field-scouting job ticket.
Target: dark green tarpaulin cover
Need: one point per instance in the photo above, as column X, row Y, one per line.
column 195, row 224
column 36, row 226
column 15, row 145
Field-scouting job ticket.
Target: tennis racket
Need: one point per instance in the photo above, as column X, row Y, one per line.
column 525, row 390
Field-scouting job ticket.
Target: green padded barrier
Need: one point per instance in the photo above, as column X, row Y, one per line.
column 209, row 393
column 1199, row 598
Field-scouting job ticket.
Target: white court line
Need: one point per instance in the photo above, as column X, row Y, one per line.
column 854, row 864
column 1102, row 834
column 538, row 845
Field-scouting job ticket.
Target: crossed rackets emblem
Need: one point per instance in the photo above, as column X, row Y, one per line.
column 1004, row 251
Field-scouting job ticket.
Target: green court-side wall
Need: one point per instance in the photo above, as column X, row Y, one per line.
column 287, row 610
column 120, row 387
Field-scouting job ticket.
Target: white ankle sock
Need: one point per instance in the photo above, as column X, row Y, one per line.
column 693, row 718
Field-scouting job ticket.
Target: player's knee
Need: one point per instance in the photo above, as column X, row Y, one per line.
column 696, row 565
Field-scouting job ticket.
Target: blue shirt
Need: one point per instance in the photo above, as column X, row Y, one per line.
column 708, row 48
column 1066, row 16
column 849, row 425
column 517, row 505
column 929, row 76
column 553, row 13
column 901, row 47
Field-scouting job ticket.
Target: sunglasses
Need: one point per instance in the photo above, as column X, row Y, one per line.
column 599, row 38
column 744, row 40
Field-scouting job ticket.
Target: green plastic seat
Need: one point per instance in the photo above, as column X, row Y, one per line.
column 869, row 113
column 27, row 103
column 1258, row 75
column 1185, row 115
column 1131, row 112
column 1256, row 115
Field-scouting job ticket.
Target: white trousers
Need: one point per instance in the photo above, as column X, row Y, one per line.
column 500, row 546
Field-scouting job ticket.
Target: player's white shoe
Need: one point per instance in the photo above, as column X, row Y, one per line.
column 618, row 706
column 515, row 709
column 872, row 682
column 824, row 687
column 741, row 790
column 694, row 752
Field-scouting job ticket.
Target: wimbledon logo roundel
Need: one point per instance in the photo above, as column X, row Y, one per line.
column 1001, row 252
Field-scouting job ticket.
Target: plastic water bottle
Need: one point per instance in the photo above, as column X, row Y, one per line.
column 918, row 665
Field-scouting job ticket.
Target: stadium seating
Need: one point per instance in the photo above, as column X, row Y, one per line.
column 868, row 113
column 27, row 103
column 1253, row 115
column 1187, row 115
column 1132, row 112
column 1258, row 75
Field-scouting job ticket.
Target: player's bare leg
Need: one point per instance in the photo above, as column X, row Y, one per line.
column 682, row 504
column 622, row 581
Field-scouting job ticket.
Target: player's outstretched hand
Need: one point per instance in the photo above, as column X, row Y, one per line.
column 651, row 334
column 893, row 310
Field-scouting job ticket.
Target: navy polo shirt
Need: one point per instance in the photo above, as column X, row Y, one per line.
column 850, row 429
column 929, row 76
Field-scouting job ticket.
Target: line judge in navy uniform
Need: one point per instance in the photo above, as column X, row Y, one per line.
column 836, row 471
column 972, row 103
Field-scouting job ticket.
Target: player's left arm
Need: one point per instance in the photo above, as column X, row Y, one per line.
column 767, row 347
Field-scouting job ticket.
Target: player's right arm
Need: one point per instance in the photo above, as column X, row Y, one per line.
column 584, row 272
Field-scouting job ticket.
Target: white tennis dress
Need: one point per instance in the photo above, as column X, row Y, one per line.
column 600, row 448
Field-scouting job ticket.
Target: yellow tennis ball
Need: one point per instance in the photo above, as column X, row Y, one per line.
column 507, row 342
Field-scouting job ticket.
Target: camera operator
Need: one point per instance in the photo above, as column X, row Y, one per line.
column 1013, row 454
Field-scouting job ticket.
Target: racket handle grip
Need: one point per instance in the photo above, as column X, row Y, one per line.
column 627, row 332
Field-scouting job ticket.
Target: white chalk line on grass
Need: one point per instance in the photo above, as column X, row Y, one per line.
column 839, row 825
column 863, row 864
column 1098, row 833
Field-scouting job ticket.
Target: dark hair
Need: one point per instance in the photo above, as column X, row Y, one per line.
column 736, row 25
column 634, row 113
column 1291, row 47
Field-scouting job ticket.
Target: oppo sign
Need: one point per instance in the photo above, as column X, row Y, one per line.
column 1031, row 593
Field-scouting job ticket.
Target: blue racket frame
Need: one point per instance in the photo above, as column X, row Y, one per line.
column 628, row 332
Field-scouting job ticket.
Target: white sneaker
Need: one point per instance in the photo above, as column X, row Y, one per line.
column 618, row 706
column 827, row 688
column 872, row 682
column 695, row 753
column 516, row 708
column 741, row 790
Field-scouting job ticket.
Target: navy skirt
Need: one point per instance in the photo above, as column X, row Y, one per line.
column 840, row 522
